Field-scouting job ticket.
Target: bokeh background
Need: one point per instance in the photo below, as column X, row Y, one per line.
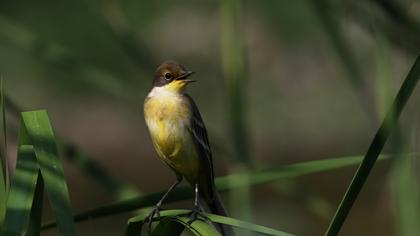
column 279, row 82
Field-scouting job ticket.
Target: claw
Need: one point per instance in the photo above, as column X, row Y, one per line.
column 157, row 209
column 150, row 217
column 197, row 214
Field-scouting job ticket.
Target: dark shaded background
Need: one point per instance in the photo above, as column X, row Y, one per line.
column 317, row 78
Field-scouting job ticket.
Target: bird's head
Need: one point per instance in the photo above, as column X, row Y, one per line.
column 172, row 76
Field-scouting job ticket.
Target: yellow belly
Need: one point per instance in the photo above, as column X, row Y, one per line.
column 168, row 119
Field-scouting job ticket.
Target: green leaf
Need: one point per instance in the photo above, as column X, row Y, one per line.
column 235, row 76
column 375, row 149
column 199, row 227
column 22, row 191
column 36, row 130
column 176, row 225
column 37, row 164
column 3, row 195
column 165, row 227
column 262, row 176
column 4, row 169
column 171, row 225
column 4, row 131
column 34, row 228
column 233, row 64
column 406, row 195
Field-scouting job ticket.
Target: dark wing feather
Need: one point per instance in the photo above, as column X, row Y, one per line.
column 206, row 176
column 199, row 134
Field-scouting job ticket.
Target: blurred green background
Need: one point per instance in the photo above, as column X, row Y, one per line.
column 297, row 80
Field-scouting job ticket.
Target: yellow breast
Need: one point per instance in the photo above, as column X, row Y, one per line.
column 167, row 115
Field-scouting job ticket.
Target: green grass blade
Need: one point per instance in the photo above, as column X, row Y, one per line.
column 40, row 134
column 406, row 196
column 3, row 195
column 197, row 227
column 246, row 225
column 170, row 225
column 375, row 148
column 166, row 227
column 137, row 221
column 4, row 167
column 4, row 131
column 22, row 191
column 234, row 73
column 383, row 75
column 223, row 184
column 34, row 228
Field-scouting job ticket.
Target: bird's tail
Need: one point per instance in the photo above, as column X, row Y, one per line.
column 215, row 206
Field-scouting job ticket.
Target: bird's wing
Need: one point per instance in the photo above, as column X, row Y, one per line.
column 199, row 134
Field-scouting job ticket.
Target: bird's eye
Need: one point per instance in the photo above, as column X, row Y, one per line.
column 168, row 76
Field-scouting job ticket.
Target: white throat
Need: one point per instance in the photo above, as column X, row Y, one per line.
column 161, row 92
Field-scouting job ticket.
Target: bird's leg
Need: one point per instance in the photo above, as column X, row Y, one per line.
column 156, row 210
column 197, row 210
column 196, row 204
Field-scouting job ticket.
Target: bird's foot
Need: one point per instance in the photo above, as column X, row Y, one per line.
column 197, row 213
column 155, row 211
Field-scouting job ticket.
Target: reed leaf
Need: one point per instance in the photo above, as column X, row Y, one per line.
column 198, row 226
column 375, row 148
column 257, row 177
column 37, row 166
column 22, row 191
column 4, row 166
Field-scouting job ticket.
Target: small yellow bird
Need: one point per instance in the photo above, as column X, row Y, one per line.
column 180, row 137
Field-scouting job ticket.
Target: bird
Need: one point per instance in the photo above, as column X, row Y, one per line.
column 180, row 139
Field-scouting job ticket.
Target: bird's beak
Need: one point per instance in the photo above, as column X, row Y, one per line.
column 185, row 76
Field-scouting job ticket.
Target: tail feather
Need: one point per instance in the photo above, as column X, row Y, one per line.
column 215, row 206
